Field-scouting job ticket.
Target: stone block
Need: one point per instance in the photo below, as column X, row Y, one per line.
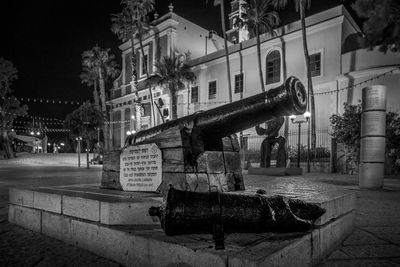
column 227, row 144
column 197, row 182
column 217, row 180
column 210, row 162
column 239, row 183
column 47, row 201
column 123, row 213
column 336, row 203
column 21, row 197
column 173, row 160
column 111, row 161
column 110, row 180
column 25, row 217
column 294, row 171
column 83, row 208
column 57, row 226
column 328, row 237
column 177, row 180
column 232, row 161
column 230, row 182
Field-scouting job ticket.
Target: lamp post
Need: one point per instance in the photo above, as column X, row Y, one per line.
column 306, row 116
column 79, row 139
column 35, row 142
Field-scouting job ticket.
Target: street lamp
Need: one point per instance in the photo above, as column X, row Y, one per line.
column 306, row 116
column 35, row 144
column 79, row 139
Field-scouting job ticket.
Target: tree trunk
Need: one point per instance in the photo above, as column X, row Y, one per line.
column 104, row 110
column 87, row 153
column 309, row 79
column 96, row 94
column 284, row 69
column 174, row 108
column 5, row 143
column 147, row 75
column 260, row 73
column 228, row 68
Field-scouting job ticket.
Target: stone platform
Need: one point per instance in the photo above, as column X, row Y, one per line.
column 276, row 171
column 115, row 225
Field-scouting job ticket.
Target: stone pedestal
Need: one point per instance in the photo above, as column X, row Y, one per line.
column 116, row 225
column 373, row 127
column 276, row 171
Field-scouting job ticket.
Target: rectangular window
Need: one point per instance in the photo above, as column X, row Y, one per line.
column 315, row 64
column 145, row 64
column 195, row 94
column 146, row 109
column 212, row 90
column 239, row 83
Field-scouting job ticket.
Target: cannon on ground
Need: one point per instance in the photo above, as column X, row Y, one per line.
column 201, row 150
column 187, row 212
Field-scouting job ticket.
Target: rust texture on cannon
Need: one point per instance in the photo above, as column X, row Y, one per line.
column 201, row 150
column 187, row 212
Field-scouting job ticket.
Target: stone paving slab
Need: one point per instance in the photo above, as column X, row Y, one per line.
column 361, row 263
column 360, row 237
column 21, row 247
column 372, row 251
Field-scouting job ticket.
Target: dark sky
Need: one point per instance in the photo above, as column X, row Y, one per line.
column 44, row 39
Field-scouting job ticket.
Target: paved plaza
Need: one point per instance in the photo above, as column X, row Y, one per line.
column 375, row 241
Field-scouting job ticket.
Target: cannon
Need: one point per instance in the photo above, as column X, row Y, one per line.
column 186, row 212
column 201, row 150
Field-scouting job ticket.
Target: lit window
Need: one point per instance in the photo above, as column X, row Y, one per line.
column 239, row 83
column 273, row 67
column 212, row 90
column 195, row 94
column 315, row 64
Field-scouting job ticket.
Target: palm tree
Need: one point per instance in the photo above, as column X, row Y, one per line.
column 90, row 77
column 301, row 5
column 133, row 23
column 260, row 17
column 173, row 72
column 102, row 62
column 228, row 68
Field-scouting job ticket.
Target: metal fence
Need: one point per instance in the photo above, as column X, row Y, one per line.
column 252, row 143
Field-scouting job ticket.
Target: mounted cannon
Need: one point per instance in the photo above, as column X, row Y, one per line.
column 201, row 150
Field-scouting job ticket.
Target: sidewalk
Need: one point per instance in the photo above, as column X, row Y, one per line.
column 375, row 242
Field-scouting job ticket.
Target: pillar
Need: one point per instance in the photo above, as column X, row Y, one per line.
column 373, row 127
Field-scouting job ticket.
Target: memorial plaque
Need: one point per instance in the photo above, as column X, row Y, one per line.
column 374, row 97
column 141, row 168
column 373, row 123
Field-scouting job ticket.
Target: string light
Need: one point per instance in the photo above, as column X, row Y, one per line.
column 48, row 101
column 357, row 84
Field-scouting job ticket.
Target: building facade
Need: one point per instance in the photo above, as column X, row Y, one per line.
column 340, row 68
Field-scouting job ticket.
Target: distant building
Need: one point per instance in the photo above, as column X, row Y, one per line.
column 337, row 62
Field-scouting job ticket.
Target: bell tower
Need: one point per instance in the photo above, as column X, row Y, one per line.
column 236, row 34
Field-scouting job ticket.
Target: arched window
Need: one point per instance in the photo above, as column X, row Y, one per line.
column 273, row 64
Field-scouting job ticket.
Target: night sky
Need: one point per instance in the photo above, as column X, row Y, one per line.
column 44, row 39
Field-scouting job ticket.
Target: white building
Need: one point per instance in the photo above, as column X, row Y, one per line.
column 336, row 63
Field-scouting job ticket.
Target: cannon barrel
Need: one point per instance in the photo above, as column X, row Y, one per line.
column 289, row 98
column 195, row 213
